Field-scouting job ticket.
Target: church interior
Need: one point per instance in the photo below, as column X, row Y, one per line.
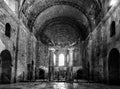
column 59, row 44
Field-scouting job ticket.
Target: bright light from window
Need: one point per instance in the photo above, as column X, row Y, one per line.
column 113, row 2
column 54, row 59
column 61, row 60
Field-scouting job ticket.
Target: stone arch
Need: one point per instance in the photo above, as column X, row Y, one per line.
column 6, row 60
column 113, row 66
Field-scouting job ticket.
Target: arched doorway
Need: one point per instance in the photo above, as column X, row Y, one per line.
column 41, row 74
column 79, row 74
column 113, row 66
column 6, row 66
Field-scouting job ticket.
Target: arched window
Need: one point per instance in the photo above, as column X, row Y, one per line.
column 54, row 59
column 7, row 30
column 112, row 29
column 61, row 60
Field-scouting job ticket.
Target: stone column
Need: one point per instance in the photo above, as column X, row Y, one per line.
column 67, row 65
column 57, row 64
column 51, row 64
column 70, row 65
column 57, row 59
column 71, row 56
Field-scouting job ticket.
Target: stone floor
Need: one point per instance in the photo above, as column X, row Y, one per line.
column 56, row 85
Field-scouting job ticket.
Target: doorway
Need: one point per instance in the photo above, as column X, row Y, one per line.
column 41, row 74
column 6, row 66
column 113, row 66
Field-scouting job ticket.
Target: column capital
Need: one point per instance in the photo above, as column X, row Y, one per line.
column 71, row 49
column 52, row 49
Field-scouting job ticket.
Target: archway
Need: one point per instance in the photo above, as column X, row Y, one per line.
column 41, row 73
column 113, row 66
column 6, row 66
column 79, row 74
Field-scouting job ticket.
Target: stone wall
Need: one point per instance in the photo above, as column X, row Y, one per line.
column 100, row 44
column 23, row 38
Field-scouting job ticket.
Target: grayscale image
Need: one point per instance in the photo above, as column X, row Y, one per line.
column 59, row 44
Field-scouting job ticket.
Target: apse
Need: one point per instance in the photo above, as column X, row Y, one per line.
column 61, row 22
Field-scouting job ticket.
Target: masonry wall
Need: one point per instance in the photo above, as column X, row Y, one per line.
column 101, row 43
column 20, row 52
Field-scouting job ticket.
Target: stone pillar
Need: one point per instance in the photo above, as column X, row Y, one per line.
column 67, row 65
column 70, row 65
column 71, row 56
column 51, row 64
column 65, row 61
column 57, row 64
column 37, row 62
column 57, row 58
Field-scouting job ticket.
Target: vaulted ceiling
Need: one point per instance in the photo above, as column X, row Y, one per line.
column 61, row 22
